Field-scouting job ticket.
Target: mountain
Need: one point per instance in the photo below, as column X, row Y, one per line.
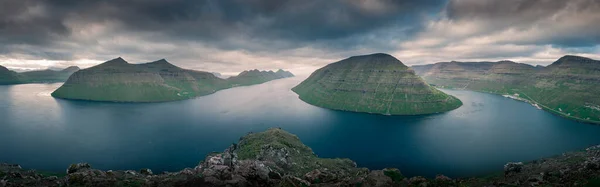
column 8, row 76
column 41, row 76
column 568, row 87
column 376, row 83
column 119, row 81
column 256, row 77
column 48, row 75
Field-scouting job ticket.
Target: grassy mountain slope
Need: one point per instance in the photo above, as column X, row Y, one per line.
column 377, row 83
column 118, row 81
column 567, row 87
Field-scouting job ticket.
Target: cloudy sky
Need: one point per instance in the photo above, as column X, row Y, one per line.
column 300, row 35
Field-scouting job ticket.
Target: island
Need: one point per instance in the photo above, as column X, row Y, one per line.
column 159, row 81
column 568, row 87
column 278, row 158
column 377, row 83
column 8, row 77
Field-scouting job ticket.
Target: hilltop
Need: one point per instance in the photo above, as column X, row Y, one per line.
column 119, row 81
column 567, row 87
column 376, row 83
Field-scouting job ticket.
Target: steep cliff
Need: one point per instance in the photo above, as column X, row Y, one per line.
column 377, row 83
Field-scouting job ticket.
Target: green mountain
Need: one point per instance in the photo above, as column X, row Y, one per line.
column 567, row 87
column 256, row 77
column 119, row 81
column 41, row 76
column 377, row 83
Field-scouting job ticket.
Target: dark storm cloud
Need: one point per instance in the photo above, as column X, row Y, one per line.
column 568, row 23
column 294, row 21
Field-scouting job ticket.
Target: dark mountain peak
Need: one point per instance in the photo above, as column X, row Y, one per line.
column 161, row 64
column 371, row 61
column 507, row 62
column 4, row 69
column 71, row 68
column 572, row 60
column 116, row 61
column 573, row 57
column 375, row 55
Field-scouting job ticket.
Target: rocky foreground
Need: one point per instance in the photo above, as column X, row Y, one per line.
column 278, row 158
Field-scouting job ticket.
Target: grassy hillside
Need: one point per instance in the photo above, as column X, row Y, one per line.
column 118, row 81
column 377, row 83
column 567, row 87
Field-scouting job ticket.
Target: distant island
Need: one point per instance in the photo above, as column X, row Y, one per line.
column 568, row 87
column 8, row 77
column 278, row 158
column 119, row 81
column 376, row 83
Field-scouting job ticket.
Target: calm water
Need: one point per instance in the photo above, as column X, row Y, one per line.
column 38, row 131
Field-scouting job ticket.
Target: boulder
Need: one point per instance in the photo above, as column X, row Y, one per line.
column 146, row 171
column 378, row 179
column 78, row 167
column 292, row 181
column 513, row 167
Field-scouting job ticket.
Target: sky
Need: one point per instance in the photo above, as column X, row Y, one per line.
column 230, row 36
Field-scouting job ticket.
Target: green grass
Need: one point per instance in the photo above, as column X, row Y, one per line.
column 395, row 175
column 301, row 155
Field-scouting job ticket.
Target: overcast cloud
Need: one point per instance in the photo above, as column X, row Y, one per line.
column 300, row 35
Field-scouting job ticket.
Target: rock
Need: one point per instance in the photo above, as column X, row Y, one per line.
column 253, row 170
column 129, row 172
column 320, row 176
column 146, row 171
column 378, row 179
column 535, row 180
column 187, row 171
column 292, row 181
column 237, row 181
column 592, row 163
column 3, row 183
column 513, row 167
column 78, row 167
column 442, row 178
column 8, row 167
column 51, row 178
column 418, row 181
column 280, row 156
